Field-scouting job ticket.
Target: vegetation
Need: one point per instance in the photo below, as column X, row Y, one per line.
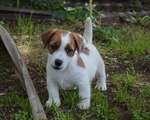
column 126, row 53
column 138, row 20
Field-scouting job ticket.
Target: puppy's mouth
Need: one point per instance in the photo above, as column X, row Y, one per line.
column 57, row 68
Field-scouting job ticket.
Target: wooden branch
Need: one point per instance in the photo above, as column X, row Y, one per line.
column 123, row 14
column 23, row 75
column 120, row 5
column 46, row 16
column 24, row 11
column 100, row 5
column 34, row 100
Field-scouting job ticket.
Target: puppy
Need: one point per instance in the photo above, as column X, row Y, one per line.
column 73, row 61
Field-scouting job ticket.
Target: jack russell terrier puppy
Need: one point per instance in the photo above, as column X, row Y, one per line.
column 73, row 61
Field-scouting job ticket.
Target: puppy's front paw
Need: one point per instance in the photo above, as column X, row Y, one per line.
column 83, row 105
column 50, row 101
column 101, row 86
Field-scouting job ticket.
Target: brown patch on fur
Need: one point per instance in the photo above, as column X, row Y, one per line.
column 47, row 35
column 80, row 62
column 86, row 51
column 78, row 41
column 70, row 48
column 52, row 38
column 54, row 45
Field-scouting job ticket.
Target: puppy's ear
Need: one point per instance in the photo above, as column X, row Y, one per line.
column 46, row 36
column 79, row 42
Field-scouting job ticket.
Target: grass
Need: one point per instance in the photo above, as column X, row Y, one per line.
column 136, row 102
column 14, row 106
column 128, row 91
column 128, row 41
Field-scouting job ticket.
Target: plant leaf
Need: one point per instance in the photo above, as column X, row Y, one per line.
column 60, row 14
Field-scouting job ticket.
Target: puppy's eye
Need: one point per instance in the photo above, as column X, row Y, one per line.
column 68, row 50
column 53, row 46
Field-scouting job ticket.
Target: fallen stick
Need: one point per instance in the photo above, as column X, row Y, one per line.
column 46, row 16
column 123, row 14
column 23, row 75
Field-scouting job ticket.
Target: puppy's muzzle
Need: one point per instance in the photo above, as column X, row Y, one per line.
column 58, row 63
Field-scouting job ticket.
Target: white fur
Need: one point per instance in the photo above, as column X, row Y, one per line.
column 72, row 75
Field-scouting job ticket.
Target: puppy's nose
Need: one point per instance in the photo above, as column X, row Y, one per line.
column 58, row 62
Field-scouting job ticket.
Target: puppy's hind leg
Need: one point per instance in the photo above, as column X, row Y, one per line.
column 101, row 82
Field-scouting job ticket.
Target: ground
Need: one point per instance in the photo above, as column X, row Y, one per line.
column 127, row 66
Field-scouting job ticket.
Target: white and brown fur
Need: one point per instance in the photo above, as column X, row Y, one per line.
column 73, row 61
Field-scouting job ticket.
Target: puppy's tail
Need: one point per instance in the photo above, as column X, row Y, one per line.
column 88, row 32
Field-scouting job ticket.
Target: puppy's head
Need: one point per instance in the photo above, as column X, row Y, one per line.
column 62, row 46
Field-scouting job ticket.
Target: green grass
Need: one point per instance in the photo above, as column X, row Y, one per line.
column 137, row 101
column 25, row 26
column 14, row 106
column 132, row 41
column 128, row 87
column 127, row 42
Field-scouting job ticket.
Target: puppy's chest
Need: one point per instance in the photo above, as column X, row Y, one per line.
column 65, row 81
column 66, row 85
